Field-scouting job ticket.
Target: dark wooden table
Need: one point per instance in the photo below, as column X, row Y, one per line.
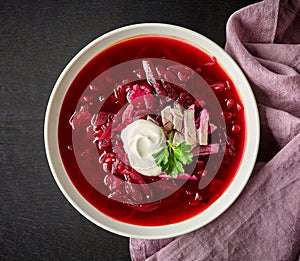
column 37, row 40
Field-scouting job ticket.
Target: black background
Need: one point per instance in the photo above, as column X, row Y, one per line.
column 37, row 40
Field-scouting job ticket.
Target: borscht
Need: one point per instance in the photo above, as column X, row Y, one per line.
column 152, row 131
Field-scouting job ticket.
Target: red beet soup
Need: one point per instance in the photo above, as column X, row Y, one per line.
column 152, row 131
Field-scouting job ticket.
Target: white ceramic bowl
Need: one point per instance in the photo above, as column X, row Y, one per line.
column 51, row 130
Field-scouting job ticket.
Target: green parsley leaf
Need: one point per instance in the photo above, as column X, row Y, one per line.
column 160, row 156
column 171, row 159
column 183, row 153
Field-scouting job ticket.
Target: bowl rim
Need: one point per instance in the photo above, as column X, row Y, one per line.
column 51, row 123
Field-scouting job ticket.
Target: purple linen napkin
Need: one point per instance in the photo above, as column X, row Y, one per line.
column 264, row 222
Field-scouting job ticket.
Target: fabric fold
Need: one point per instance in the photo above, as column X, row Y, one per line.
column 264, row 222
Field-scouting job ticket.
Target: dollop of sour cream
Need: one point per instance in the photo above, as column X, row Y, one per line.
column 141, row 139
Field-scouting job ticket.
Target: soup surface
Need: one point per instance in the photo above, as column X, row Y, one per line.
column 145, row 93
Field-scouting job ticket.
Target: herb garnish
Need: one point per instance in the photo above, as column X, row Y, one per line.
column 171, row 159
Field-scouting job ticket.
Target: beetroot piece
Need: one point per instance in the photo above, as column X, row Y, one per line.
column 150, row 102
column 183, row 73
column 171, row 78
column 159, row 89
column 98, row 120
column 151, row 77
column 128, row 113
column 182, row 77
column 118, row 150
column 80, row 119
column 117, row 196
column 185, row 176
column 135, row 93
column 133, row 191
column 172, row 93
column 206, row 150
column 150, row 73
column 108, row 158
column 112, row 182
column 133, row 176
column 161, row 71
column 122, row 126
column 120, row 93
column 106, row 133
column 209, row 149
column 166, row 76
column 88, row 135
column 104, row 144
column 139, row 113
column 139, row 103
column 146, row 88
column 185, row 99
column 117, row 166
column 120, row 196
column 107, row 167
column 200, row 104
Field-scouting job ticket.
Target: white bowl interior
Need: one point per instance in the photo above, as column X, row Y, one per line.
column 51, row 130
